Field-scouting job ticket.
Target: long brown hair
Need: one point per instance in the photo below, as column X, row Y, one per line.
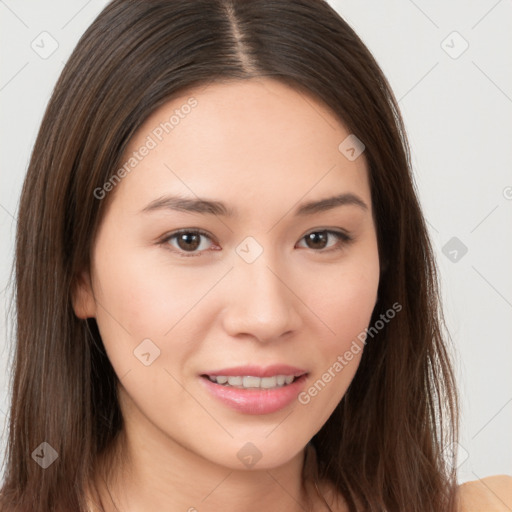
column 383, row 445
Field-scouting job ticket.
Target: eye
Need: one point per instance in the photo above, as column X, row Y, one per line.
column 317, row 240
column 188, row 241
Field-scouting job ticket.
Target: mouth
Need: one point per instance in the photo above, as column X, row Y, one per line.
column 256, row 390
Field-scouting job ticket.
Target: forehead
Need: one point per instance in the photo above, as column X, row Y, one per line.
column 242, row 141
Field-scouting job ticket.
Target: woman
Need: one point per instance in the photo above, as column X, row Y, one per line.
column 201, row 166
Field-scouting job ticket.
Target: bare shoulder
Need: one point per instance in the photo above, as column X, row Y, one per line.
column 489, row 494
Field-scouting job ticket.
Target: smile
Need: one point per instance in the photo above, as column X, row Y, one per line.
column 251, row 382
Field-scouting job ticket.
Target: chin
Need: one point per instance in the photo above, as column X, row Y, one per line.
column 254, row 453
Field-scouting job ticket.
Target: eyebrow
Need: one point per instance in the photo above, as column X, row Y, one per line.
column 211, row 207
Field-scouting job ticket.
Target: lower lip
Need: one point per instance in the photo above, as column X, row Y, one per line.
column 256, row 401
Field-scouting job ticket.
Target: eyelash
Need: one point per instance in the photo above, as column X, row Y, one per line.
column 343, row 238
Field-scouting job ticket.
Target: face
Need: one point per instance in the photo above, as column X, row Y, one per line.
column 232, row 325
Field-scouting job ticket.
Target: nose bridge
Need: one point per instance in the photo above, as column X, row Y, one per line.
column 262, row 303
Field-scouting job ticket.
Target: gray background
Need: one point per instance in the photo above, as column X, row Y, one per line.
column 457, row 106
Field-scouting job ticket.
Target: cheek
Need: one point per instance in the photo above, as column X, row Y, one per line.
column 344, row 305
column 140, row 299
column 345, row 298
column 131, row 306
column 338, row 353
column 147, row 296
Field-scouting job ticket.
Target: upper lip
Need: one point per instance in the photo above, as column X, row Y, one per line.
column 258, row 371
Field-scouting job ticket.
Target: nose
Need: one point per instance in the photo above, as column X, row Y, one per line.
column 261, row 302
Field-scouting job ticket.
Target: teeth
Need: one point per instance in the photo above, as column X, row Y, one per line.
column 249, row 381
column 235, row 381
column 268, row 382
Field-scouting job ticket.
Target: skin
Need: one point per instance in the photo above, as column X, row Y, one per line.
column 263, row 149
column 489, row 494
